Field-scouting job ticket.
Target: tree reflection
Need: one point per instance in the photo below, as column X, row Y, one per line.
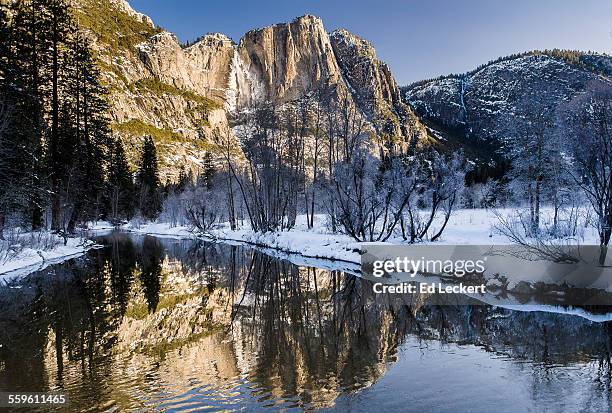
column 152, row 254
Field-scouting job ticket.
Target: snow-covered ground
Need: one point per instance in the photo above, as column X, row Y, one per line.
column 28, row 252
column 465, row 227
column 317, row 246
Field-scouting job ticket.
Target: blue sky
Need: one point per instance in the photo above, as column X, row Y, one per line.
column 417, row 38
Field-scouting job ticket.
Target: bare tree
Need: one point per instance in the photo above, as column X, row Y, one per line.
column 270, row 182
column 586, row 123
column 202, row 208
column 530, row 147
column 441, row 182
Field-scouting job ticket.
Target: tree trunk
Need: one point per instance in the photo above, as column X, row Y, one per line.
column 536, row 221
column 74, row 218
column 54, row 144
column 37, row 214
column 230, row 198
column 55, row 212
column 2, row 222
column 603, row 252
column 604, row 238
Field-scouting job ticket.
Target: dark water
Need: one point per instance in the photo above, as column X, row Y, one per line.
column 147, row 324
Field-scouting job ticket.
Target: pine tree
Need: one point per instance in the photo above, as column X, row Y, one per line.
column 120, row 184
column 148, row 181
column 60, row 28
column 89, row 140
column 54, row 131
column 26, row 80
column 208, row 172
column 8, row 151
column 184, row 180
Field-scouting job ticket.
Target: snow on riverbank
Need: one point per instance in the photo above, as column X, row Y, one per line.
column 300, row 244
column 29, row 252
column 309, row 243
column 466, row 227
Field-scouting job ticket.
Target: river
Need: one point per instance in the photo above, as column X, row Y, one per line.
column 154, row 324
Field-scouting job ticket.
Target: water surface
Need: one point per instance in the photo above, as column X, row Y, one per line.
column 179, row 325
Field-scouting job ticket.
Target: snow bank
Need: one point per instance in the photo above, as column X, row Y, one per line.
column 466, row 227
column 318, row 244
column 29, row 259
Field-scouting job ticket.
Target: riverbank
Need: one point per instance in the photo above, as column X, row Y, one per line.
column 318, row 245
column 301, row 245
column 25, row 252
column 465, row 227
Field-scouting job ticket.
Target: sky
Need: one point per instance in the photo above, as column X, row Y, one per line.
column 419, row 39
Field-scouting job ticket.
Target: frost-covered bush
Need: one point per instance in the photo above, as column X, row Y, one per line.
column 16, row 241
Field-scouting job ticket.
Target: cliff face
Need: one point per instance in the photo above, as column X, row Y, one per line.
column 283, row 62
column 155, row 86
column 286, row 61
column 374, row 87
column 181, row 95
column 213, row 55
column 485, row 103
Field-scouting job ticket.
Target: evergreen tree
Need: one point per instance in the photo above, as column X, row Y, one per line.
column 184, row 180
column 25, row 85
column 120, row 184
column 89, row 141
column 208, row 172
column 8, row 152
column 148, row 181
column 53, row 116
column 59, row 30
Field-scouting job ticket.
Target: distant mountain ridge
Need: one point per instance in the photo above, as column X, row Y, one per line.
column 593, row 61
column 481, row 105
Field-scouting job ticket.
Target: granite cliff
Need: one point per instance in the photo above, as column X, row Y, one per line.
column 181, row 94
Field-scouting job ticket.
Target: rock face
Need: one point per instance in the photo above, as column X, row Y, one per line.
column 156, row 87
column 285, row 61
column 213, row 55
column 181, row 95
column 484, row 103
column 375, row 89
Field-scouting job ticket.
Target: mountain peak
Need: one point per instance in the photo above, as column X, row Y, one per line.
column 210, row 39
column 125, row 7
column 304, row 20
column 308, row 17
column 356, row 43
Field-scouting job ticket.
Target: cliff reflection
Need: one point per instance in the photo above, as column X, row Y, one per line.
column 149, row 322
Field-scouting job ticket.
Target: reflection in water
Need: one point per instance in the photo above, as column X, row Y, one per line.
column 181, row 325
column 151, row 268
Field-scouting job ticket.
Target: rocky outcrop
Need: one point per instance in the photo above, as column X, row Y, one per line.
column 182, row 95
column 124, row 6
column 213, row 54
column 164, row 58
column 373, row 85
column 156, row 87
column 288, row 60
